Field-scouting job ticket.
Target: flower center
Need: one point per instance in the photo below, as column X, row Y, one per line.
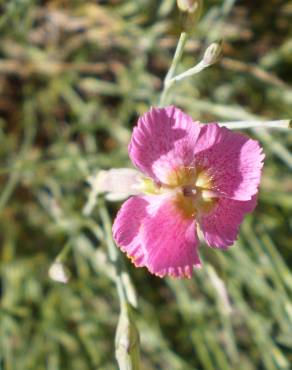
column 192, row 190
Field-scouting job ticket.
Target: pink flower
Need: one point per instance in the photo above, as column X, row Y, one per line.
column 194, row 175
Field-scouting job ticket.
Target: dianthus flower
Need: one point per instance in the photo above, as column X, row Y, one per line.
column 191, row 176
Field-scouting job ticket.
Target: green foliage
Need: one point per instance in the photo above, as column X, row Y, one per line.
column 74, row 76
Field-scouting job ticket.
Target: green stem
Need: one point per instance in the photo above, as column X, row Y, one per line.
column 279, row 124
column 61, row 257
column 190, row 72
column 127, row 335
column 113, row 255
column 173, row 67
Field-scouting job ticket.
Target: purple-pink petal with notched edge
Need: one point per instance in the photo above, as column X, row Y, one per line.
column 155, row 234
column 163, row 139
column 127, row 229
column 233, row 160
column 171, row 242
column 220, row 227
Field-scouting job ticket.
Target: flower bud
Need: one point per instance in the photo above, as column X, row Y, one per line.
column 212, row 53
column 127, row 342
column 190, row 6
column 59, row 272
column 191, row 12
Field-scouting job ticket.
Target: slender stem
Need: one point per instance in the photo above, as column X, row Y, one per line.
column 61, row 257
column 279, row 124
column 190, row 72
column 172, row 70
column 177, row 55
column 90, row 204
column 112, row 250
column 127, row 355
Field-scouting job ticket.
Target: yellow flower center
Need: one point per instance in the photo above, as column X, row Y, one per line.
column 191, row 187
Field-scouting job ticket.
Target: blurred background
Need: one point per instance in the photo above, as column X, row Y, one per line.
column 74, row 77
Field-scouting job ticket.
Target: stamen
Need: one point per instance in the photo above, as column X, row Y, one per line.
column 189, row 191
column 193, row 190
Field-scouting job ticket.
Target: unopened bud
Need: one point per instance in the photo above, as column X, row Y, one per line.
column 190, row 6
column 191, row 12
column 127, row 342
column 59, row 272
column 212, row 53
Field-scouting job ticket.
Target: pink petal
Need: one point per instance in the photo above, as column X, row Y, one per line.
column 221, row 226
column 154, row 233
column 170, row 242
column 127, row 228
column 163, row 139
column 233, row 160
